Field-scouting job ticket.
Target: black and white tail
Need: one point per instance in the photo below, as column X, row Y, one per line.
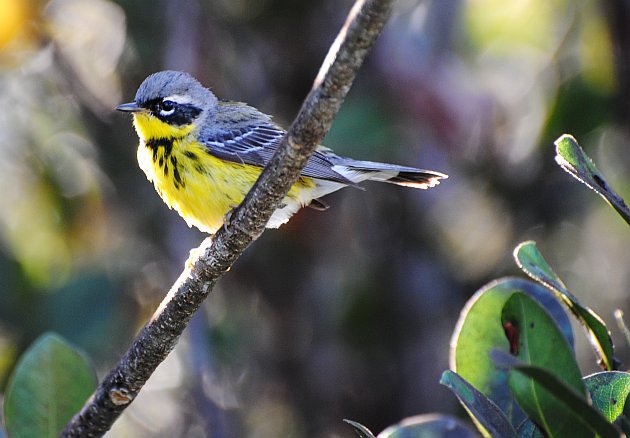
column 357, row 171
column 352, row 172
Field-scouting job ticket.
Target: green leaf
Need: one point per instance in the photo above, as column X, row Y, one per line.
column 624, row 420
column 49, row 385
column 527, row 429
column 531, row 261
column 428, row 426
column 479, row 331
column 587, row 415
column 589, row 421
column 545, row 379
column 609, row 391
column 487, row 416
column 572, row 158
column 361, row 430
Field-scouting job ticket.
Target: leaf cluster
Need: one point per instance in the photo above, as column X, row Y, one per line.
column 512, row 360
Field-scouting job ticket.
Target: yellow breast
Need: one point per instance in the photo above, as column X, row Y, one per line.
column 199, row 186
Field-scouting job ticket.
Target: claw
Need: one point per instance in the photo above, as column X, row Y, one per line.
column 227, row 218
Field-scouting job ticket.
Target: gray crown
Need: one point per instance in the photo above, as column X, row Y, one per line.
column 168, row 83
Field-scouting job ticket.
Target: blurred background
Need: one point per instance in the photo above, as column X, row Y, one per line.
column 341, row 314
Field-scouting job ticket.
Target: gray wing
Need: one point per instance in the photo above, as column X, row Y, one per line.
column 255, row 145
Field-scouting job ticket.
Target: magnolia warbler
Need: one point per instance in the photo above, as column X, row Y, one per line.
column 204, row 154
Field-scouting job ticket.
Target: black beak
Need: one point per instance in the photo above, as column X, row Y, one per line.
column 130, row 107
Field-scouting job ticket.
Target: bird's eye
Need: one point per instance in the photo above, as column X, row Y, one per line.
column 166, row 108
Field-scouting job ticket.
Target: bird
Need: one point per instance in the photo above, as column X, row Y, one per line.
column 203, row 154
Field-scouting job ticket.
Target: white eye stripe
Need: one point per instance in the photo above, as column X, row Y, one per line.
column 179, row 98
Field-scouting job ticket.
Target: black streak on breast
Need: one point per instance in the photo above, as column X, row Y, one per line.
column 162, row 159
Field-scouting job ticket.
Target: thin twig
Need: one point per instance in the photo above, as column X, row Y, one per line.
column 216, row 255
column 622, row 325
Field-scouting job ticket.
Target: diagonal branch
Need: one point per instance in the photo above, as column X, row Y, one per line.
column 216, row 255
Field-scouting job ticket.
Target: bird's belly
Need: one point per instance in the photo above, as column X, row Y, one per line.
column 203, row 188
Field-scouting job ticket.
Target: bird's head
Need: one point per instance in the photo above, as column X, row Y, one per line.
column 169, row 103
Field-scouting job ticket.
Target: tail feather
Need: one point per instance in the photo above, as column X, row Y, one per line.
column 421, row 179
column 358, row 171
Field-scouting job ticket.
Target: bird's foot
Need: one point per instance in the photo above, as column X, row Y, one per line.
column 227, row 218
